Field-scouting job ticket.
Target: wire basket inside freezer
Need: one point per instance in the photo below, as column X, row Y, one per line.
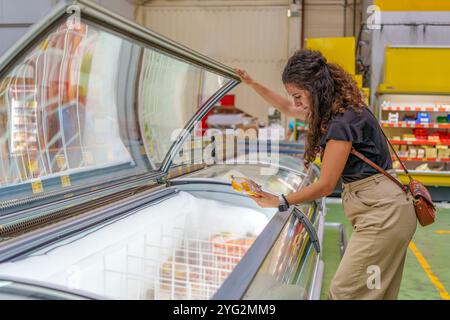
column 198, row 266
column 189, row 266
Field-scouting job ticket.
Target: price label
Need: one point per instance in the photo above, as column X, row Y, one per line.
column 37, row 186
column 65, row 181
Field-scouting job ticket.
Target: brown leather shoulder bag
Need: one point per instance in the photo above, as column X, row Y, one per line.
column 423, row 204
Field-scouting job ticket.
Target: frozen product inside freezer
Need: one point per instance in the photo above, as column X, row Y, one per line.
column 180, row 248
column 283, row 181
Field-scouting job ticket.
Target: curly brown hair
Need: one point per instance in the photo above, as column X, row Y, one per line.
column 332, row 91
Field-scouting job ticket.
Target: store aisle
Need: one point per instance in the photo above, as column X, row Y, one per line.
column 426, row 275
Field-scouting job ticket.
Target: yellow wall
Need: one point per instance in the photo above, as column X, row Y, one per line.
column 340, row 50
column 413, row 5
column 416, row 70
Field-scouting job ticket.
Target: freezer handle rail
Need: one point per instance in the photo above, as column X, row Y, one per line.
column 237, row 283
column 308, row 227
column 17, row 288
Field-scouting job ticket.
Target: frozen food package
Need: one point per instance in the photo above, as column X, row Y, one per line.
column 245, row 185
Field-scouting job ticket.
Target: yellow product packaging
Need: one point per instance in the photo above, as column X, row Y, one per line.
column 431, row 153
column 246, row 186
column 443, row 152
column 420, row 153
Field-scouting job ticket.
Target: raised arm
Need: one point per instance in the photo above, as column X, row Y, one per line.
column 283, row 104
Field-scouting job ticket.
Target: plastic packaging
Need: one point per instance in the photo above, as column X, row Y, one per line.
column 244, row 185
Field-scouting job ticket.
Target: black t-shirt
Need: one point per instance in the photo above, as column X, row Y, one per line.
column 363, row 130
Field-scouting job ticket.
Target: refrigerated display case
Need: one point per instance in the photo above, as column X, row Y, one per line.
column 95, row 110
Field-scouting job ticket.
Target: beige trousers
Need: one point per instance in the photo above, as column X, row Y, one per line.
column 384, row 222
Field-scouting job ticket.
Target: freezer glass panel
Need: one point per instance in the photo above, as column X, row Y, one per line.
column 183, row 247
column 288, row 270
column 85, row 98
column 170, row 93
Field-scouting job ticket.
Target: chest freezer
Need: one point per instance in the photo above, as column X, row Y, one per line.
column 102, row 193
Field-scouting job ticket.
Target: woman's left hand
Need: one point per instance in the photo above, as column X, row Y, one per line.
column 266, row 200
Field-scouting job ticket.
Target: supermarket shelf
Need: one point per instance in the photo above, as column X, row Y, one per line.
column 420, row 142
column 423, row 159
column 412, row 91
column 417, row 108
column 416, row 125
column 428, row 178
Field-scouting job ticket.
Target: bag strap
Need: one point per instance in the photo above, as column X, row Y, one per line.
column 392, row 148
column 378, row 168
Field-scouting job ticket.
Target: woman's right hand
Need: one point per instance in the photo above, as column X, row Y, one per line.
column 245, row 77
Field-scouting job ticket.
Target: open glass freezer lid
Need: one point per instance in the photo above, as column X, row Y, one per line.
column 87, row 97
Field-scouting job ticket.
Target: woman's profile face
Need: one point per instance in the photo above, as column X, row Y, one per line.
column 301, row 97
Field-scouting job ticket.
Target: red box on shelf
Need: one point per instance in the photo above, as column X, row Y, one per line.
column 227, row 100
column 421, row 134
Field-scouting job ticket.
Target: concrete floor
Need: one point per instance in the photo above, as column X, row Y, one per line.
column 427, row 268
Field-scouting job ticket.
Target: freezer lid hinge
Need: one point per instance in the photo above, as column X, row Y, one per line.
column 163, row 180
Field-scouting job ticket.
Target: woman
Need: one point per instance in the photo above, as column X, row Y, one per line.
column 381, row 214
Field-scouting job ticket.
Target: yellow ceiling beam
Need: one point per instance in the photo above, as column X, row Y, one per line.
column 413, row 5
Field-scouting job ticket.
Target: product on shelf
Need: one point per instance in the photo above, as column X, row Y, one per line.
column 420, row 134
column 413, row 153
column 420, row 153
column 409, row 119
column 443, row 152
column 393, row 117
column 430, row 152
column 403, row 152
column 444, row 136
column 423, row 118
column 442, row 119
column 408, row 137
column 434, row 137
column 445, row 106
